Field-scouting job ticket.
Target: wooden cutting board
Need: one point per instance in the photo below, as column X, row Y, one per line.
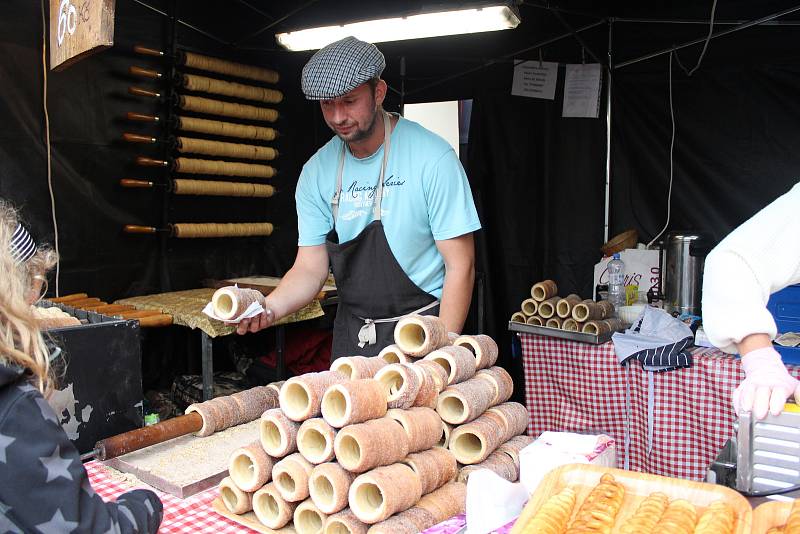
column 584, row 477
column 188, row 464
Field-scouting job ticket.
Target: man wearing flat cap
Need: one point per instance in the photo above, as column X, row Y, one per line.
column 385, row 203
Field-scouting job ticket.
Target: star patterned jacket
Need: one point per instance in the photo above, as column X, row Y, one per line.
column 43, row 485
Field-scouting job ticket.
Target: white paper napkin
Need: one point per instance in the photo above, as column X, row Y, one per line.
column 254, row 309
column 492, row 501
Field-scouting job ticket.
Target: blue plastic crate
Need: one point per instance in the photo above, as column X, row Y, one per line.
column 785, row 309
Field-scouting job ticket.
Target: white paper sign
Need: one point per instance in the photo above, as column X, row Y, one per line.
column 582, row 91
column 535, row 79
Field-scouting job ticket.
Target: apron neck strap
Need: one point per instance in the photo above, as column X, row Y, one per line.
column 376, row 203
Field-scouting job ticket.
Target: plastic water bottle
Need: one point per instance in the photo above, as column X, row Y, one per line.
column 616, row 282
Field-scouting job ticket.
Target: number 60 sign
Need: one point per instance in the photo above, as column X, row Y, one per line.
column 79, row 28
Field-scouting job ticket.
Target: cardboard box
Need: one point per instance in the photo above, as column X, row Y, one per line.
column 641, row 269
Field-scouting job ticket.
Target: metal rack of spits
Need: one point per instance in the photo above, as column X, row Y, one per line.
column 216, row 123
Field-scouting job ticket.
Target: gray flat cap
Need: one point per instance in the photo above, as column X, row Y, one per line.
column 340, row 67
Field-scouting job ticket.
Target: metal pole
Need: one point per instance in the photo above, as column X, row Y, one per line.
column 182, row 23
column 713, row 36
column 577, row 36
column 275, row 22
column 207, row 365
column 608, row 138
column 704, row 22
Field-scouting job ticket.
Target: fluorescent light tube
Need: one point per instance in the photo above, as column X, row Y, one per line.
column 486, row 19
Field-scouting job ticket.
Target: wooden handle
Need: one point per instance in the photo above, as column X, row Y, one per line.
column 149, row 435
column 155, row 321
column 144, row 73
column 138, row 91
column 136, row 229
column 145, row 51
column 93, row 307
column 150, row 162
column 138, row 138
column 113, row 308
column 67, row 298
column 88, row 305
column 141, row 117
column 137, row 314
column 127, row 182
column 83, row 302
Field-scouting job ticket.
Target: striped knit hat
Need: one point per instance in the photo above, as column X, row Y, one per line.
column 22, row 245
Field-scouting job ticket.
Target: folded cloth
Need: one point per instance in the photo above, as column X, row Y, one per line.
column 660, row 342
column 656, row 339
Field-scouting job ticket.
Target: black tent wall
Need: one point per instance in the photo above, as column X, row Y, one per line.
column 538, row 178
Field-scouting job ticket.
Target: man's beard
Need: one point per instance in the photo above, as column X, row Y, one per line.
column 360, row 134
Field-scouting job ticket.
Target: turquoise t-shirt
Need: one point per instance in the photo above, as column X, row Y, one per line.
column 426, row 197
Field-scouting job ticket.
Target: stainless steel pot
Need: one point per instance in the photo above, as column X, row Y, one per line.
column 682, row 260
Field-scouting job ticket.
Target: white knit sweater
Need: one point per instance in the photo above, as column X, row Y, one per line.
column 758, row 258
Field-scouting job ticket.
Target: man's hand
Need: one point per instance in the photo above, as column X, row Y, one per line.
column 254, row 324
column 298, row 287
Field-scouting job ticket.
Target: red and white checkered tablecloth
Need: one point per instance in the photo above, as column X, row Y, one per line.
column 571, row 386
column 181, row 516
column 194, row 514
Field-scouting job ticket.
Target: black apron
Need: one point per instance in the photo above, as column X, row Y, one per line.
column 374, row 291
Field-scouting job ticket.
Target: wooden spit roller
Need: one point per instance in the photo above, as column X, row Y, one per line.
column 198, row 230
column 212, row 64
column 218, row 148
column 213, row 107
column 149, row 435
column 214, row 167
column 227, row 109
column 202, row 419
column 207, row 126
column 205, row 188
column 192, row 145
column 203, row 84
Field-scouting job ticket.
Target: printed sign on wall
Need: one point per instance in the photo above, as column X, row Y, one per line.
column 79, row 28
column 582, row 88
column 535, row 79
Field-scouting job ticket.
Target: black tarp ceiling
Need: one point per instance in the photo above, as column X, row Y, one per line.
column 736, row 132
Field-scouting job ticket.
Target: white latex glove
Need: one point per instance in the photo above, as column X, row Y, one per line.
column 766, row 386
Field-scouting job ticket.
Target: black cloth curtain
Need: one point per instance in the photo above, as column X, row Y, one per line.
column 87, row 105
column 539, row 183
column 735, row 149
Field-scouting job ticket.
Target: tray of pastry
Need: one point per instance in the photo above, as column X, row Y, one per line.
column 777, row 517
column 601, row 499
column 581, row 337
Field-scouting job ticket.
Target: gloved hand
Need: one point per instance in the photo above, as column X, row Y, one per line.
column 767, row 384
